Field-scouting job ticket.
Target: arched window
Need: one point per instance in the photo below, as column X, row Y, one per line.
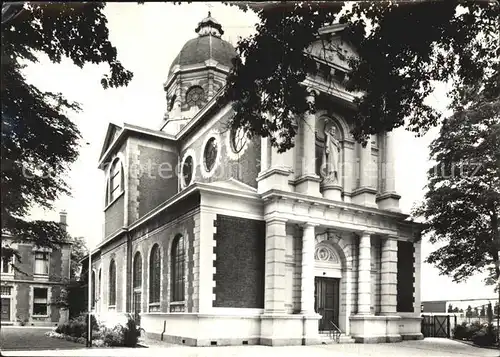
column 93, row 284
column 177, row 271
column 137, row 270
column 154, row 275
column 115, row 185
column 112, row 283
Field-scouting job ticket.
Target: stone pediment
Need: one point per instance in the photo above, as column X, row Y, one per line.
column 233, row 184
column 333, row 51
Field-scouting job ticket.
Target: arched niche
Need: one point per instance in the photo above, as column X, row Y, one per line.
column 324, row 124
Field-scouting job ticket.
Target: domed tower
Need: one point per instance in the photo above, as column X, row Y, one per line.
column 197, row 73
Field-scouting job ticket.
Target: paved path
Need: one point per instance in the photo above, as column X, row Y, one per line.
column 426, row 348
column 32, row 338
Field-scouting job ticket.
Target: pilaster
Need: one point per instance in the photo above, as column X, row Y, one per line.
column 389, row 199
column 388, row 277
column 416, row 284
column 307, row 276
column 276, row 168
column 364, row 275
column 365, row 194
column 274, row 299
column 308, row 183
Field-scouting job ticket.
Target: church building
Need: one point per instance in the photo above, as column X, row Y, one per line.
column 215, row 238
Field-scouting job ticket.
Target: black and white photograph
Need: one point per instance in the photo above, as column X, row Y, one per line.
column 250, row 178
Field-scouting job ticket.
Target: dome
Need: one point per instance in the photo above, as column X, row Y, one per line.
column 208, row 45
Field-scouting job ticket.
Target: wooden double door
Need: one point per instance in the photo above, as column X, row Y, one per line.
column 326, row 302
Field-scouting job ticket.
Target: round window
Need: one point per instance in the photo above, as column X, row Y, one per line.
column 187, row 170
column 195, row 96
column 238, row 139
column 210, row 154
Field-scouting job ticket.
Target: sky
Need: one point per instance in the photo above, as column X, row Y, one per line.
column 148, row 37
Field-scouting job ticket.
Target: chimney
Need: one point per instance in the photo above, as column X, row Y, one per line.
column 62, row 219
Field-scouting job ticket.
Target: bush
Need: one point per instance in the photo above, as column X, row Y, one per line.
column 77, row 327
column 126, row 333
column 460, row 332
column 483, row 338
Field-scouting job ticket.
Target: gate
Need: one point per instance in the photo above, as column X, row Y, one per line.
column 437, row 325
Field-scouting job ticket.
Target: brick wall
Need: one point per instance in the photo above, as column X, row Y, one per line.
column 156, row 186
column 163, row 236
column 114, row 216
column 26, row 264
column 405, row 277
column 244, row 166
column 117, row 252
column 22, row 303
column 239, row 262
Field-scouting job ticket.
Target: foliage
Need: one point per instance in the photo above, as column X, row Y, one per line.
column 39, row 142
column 23, row 319
column 78, row 252
column 462, row 202
column 77, row 327
column 395, row 69
column 119, row 335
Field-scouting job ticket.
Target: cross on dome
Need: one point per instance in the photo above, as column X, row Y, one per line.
column 209, row 27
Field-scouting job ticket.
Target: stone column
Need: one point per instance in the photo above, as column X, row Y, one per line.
column 418, row 259
column 308, row 183
column 388, row 276
column 364, row 275
column 265, row 156
column 274, row 297
column 389, row 199
column 365, row 162
column 307, row 275
column 365, row 194
column 275, row 168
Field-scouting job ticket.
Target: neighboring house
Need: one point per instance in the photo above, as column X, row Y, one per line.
column 26, row 294
column 220, row 239
column 434, row 306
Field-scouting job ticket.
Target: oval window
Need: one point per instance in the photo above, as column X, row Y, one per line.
column 210, row 154
column 187, row 170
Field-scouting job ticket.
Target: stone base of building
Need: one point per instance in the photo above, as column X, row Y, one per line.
column 256, row 328
column 228, row 330
column 383, row 329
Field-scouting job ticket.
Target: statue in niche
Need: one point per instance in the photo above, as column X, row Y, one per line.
column 331, row 154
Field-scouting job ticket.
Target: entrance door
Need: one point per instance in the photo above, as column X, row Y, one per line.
column 5, row 310
column 137, row 306
column 326, row 302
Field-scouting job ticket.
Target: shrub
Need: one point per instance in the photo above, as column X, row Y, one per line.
column 460, row 332
column 483, row 338
column 113, row 337
column 131, row 333
column 77, row 327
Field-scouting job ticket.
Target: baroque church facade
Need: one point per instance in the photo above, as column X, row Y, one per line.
column 214, row 238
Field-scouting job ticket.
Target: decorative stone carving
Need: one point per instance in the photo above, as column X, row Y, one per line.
column 331, row 153
column 326, row 253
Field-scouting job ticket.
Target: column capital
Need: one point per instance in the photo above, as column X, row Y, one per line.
column 312, row 91
column 366, row 234
column 276, row 220
column 391, row 237
column 308, row 225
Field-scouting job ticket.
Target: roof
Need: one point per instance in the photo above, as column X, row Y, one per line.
column 200, row 49
column 207, row 46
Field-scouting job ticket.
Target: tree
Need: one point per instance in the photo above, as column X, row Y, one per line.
column 450, row 308
column 39, row 142
column 468, row 312
column 71, row 294
column 489, row 313
column 455, row 310
column 483, row 311
column 462, row 204
column 409, row 45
